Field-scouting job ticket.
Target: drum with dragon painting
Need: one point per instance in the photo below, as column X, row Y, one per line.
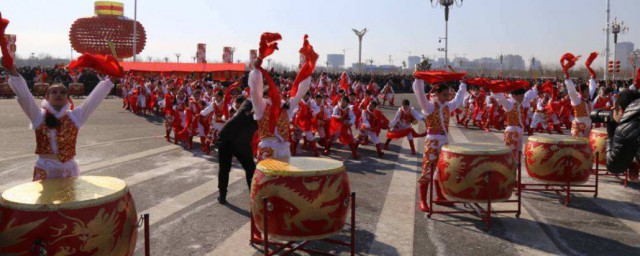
column 76, row 89
column 308, row 197
column 40, row 89
column 554, row 159
column 476, row 172
column 86, row 215
column 597, row 142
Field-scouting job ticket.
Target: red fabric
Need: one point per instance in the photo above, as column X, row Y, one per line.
column 227, row 98
column 268, row 45
column 383, row 120
column 637, row 82
column 72, row 105
column 397, row 134
column 7, row 60
column 438, row 76
column 310, row 57
column 336, row 124
column 168, row 104
column 482, row 82
column 547, row 87
column 105, row 64
column 567, row 61
column 503, row 86
column 304, row 117
column 590, row 60
column 344, row 83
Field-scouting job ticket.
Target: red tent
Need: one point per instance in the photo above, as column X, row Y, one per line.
column 219, row 71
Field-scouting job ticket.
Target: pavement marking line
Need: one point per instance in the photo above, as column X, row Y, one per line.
column 164, row 169
column 172, row 205
column 393, row 231
column 85, row 146
column 237, row 244
column 84, row 169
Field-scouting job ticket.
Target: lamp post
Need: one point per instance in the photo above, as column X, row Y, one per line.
column 360, row 34
column 135, row 29
column 501, row 58
column 446, row 4
column 606, row 49
column 178, row 57
column 633, row 58
column 617, row 28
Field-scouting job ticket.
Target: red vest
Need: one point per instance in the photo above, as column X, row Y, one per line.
column 66, row 136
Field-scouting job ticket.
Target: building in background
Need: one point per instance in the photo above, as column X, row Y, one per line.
column 336, row 61
column 513, row 62
column 623, row 50
column 412, row 61
column 535, row 64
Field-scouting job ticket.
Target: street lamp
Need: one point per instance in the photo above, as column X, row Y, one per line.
column 360, row 34
column 633, row 58
column 501, row 58
column 178, row 57
column 446, row 4
column 617, row 28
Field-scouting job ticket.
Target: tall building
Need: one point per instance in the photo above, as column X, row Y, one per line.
column 513, row 62
column 535, row 64
column 336, row 61
column 623, row 49
column 412, row 61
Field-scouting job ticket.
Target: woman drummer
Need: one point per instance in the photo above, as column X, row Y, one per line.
column 56, row 125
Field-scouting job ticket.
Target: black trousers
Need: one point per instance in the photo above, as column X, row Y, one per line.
column 226, row 152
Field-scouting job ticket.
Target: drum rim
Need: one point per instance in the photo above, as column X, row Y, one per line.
column 568, row 140
column 294, row 161
column 498, row 149
column 599, row 131
column 68, row 205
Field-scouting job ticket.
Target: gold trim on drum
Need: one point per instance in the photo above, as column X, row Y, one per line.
column 300, row 166
column 599, row 130
column 559, row 139
column 64, row 194
column 476, row 149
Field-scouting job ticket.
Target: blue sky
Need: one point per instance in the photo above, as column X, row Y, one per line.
column 541, row 28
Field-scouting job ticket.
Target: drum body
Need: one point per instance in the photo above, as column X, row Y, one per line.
column 40, row 89
column 76, row 89
column 5, row 90
column 556, row 159
column 86, row 215
column 597, row 142
column 308, row 197
column 476, row 172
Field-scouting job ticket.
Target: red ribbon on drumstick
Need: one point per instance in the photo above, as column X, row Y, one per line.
column 105, row 64
column 7, row 59
column 567, row 61
column 310, row 58
column 268, row 45
column 590, row 60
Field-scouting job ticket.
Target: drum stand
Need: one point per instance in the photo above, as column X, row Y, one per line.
column 477, row 209
column 604, row 172
column 567, row 188
column 144, row 222
column 290, row 247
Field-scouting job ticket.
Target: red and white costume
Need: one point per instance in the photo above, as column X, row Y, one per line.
column 581, row 126
column 514, row 120
column 56, row 147
column 402, row 126
column 340, row 128
column 388, row 94
column 370, row 126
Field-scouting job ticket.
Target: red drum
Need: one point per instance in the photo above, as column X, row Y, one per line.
column 597, row 142
column 76, row 89
column 40, row 89
column 86, row 215
column 308, row 197
column 554, row 159
column 476, row 172
column 5, row 90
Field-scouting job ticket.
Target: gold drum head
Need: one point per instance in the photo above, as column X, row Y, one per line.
column 300, row 166
column 476, row 149
column 558, row 139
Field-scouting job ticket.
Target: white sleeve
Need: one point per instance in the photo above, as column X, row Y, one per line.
column 418, row 90
column 303, row 88
column 502, row 100
column 25, row 100
column 457, row 101
column 314, row 108
column 396, row 118
column 208, row 109
column 334, row 113
column 593, row 86
column 540, row 106
column 574, row 96
column 256, row 86
column 365, row 120
column 530, row 94
column 82, row 112
column 417, row 115
column 352, row 117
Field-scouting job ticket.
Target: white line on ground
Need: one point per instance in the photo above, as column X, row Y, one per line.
column 395, row 228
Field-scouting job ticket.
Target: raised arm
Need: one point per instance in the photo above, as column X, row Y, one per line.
column 418, row 90
column 502, row 100
column 457, row 100
column 256, row 85
column 25, row 100
column 593, row 86
column 530, row 94
column 208, row 109
column 573, row 94
column 82, row 112
column 303, row 88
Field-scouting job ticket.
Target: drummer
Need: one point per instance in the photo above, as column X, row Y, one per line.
column 437, row 113
column 514, row 107
column 56, row 125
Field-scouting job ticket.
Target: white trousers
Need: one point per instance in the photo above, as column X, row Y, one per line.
column 53, row 169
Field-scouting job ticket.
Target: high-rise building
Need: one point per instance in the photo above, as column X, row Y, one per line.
column 623, row 50
column 412, row 61
column 335, row 61
column 535, row 64
column 513, row 62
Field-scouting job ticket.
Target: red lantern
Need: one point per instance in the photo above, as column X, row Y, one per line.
column 93, row 34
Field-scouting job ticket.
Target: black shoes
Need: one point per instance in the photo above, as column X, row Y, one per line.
column 222, row 198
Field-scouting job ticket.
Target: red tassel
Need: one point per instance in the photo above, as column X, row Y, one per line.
column 107, row 65
column 567, row 61
column 268, row 44
column 7, row 60
column 637, row 78
column 590, row 60
column 309, row 64
column 344, row 83
column 438, row 76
